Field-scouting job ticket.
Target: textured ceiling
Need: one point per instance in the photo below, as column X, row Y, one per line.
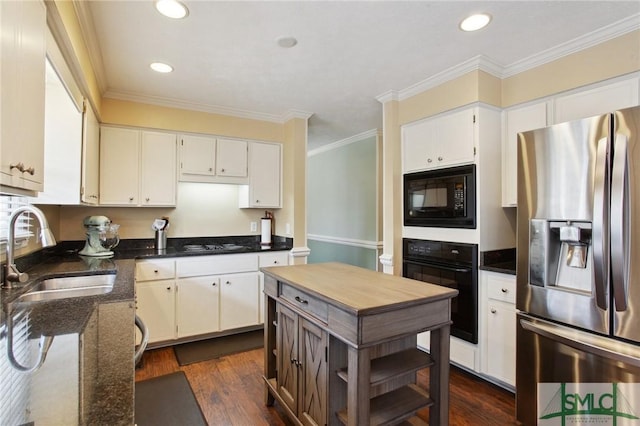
column 226, row 57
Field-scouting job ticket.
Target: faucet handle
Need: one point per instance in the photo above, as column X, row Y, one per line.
column 15, row 276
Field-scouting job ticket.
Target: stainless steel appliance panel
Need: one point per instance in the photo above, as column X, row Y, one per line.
column 561, row 169
column 625, row 224
column 551, row 353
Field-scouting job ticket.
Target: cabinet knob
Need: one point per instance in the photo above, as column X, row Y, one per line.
column 210, row 169
column 228, row 283
column 130, row 198
column 169, row 288
column 222, row 170
column 429, row 160
column 31, row 171
column 155, row 271
column 275, row 262
column 147, row 199
column 18, row 166
column 213, row 284
column 504, row 290
column 257, row 201
column 493, row 310
column 439, row 158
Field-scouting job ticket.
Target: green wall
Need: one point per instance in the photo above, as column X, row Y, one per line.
column 342, row 197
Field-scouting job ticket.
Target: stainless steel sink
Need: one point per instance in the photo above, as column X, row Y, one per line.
column 67, row 287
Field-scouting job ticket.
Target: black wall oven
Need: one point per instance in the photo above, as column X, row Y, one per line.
column 453, row 265
column 443, row 198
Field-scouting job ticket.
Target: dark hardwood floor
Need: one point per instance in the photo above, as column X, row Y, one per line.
column 230, row 391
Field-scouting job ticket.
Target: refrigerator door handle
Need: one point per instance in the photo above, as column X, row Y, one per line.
column 600, row 234
column 585, row 342
column 620, row 222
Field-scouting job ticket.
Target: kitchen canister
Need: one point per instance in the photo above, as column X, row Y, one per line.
column 160, row 240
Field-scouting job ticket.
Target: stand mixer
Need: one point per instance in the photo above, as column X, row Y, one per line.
column 102, row 236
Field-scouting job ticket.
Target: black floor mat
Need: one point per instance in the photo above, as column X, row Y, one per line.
column 189, row 353
column 167, row 401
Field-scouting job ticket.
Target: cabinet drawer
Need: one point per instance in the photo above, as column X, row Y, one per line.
column 304, row 301
column 502, row 288
column 156, row 269
column 218, row 264
column 273, row 259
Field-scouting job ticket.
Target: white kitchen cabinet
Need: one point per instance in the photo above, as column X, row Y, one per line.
column 231, row 158
column 213, row 160
column 155, row 297
column 137, row 168
column 265, row 177
column 155, row 303
column 197, row 157
column 498, row 339
column 598, row 100
column 197, row 306
column 442, row 141
column 278, row 258
column 22, row 76
column 239, row 295
column 515, row 120
column 90, row 174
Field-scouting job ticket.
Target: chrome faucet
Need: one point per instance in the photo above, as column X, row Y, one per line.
column 46, row 238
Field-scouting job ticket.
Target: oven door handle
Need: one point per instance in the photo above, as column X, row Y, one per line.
column 440, row 266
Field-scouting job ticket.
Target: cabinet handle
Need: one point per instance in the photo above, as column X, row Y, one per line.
column 439, row 158
column 493, row 310
column 504, row 290
column 300, row 300
column 429, row 160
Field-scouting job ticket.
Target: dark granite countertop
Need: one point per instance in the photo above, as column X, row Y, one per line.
column 93, row 337
column 502, row 261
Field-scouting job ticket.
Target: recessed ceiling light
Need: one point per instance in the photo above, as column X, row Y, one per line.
column 160, row 67
column 172, row 9
column 286, row 41
column 475, row 22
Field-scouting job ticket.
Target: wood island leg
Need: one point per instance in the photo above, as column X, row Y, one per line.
column 439, row 377
column 358, row 386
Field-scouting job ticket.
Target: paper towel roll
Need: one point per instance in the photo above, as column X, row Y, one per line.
column 265, row 226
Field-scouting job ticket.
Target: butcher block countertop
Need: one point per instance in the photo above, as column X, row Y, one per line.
column 356, row 290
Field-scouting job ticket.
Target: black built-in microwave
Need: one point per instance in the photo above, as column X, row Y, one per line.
column 443, row 198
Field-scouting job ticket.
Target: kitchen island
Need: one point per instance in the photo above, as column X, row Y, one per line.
column 340, row 345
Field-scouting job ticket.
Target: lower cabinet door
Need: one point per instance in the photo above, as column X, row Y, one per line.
column 501, row 341
column 312, row 346
column 198, row 305
column 287, row 363
column 239, row 300
column 156, row 306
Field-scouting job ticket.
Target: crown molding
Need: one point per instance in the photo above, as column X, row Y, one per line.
column 617, row 29
column 344, row 142
column 391, row 95
column 87, row 28
column 295, row 113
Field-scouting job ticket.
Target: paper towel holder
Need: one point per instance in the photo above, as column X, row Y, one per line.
column 266, row 228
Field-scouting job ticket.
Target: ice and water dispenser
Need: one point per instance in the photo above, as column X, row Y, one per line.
column 560, row 254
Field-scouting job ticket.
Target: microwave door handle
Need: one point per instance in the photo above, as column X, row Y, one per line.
column 600, row 220
column 620, row 222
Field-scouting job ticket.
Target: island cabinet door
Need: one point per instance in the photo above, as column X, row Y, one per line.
column 287, row 349
column 312, row 349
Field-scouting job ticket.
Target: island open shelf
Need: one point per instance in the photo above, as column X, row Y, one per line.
column 340, row 345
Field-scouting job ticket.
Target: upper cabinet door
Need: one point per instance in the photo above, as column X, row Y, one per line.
column 265, row 177
column 197, row 157
column 231, row 158
column 90, row 157
column 119, row 166
column 158, row 178
column 22, row 77
column 600, row 100
column 442, row 141
column 517, row 120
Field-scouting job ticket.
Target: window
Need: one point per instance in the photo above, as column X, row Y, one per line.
column 23, row 225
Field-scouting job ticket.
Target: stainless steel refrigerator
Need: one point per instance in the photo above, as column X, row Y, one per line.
column 578, row 272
